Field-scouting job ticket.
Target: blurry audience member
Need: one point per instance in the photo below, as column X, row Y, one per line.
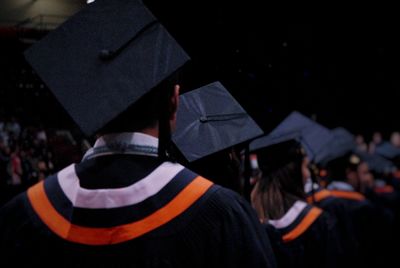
column 361, row 145
column 4, row 163
column 377, row 138
column 395, row 139
column 15, row 167
column 41, row 136
column 13, row 127
column 365, row 178
column 371, row 147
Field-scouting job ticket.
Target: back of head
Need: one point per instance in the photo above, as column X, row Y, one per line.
column 222, row 168
column 377, row 137
column 340, row 169
column 147, row 111
column 395, row 139
column 281, row 183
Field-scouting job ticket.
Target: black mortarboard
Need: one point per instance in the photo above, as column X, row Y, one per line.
column 296, row 126
column 387, row 150
column 342, row 143
column 211, row 120
column 104, row 59
column 275, row 156
column 376, row 162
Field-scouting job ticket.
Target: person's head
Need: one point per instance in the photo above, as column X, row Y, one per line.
column 371, row 148
column 377, row 137
column 362, row 147
column 344, row 169
column 222, row 168
column 359, row 139
column 283, row 169
column 161, row 103
column 395, row 139
column 365, row 177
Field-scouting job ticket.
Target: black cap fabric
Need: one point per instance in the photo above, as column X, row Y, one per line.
column 312, row 136
column 342, row 143
column 105, row 58
column 387, row 150
column 211, row 120
column 278, row 155
column 376, row 162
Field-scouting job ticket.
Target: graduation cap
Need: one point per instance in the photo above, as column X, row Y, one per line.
column 376, row 162
column 344, row 136
column 210, row 120
column 296, row 126
column 341, row 143
column 104, row 59
column 387, row 150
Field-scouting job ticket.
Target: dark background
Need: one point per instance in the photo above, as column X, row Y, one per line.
column 340, row 72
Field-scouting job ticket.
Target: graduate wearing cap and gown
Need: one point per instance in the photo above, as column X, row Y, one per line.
column 388, row 150
column 391, row 153
column 125, row 204
column 372, row 224
column 212, row 127
column 314, row 138
column 341, row 153
column 386, row 188
column 342, row 163
column 303, row 235
column 376, row 179
column 371, row 172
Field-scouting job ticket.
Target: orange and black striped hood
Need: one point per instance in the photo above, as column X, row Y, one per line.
column 111, row 216
column 321, row 195
column 296, row 221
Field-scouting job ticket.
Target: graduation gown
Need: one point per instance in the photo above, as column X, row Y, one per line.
column 387, row 199
column 305, row 237
column 130, row 210
column 372, row 227
column 337, row 207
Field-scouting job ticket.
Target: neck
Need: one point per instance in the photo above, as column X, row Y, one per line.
column 152, row 131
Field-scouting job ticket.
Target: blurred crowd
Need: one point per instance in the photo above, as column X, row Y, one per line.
column 27, row 155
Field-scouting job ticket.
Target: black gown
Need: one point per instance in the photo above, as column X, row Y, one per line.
column 310, row 240
column 373, row 228
column 189, row 222
column 337, row 207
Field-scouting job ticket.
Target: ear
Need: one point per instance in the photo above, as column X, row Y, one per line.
column 174, row 102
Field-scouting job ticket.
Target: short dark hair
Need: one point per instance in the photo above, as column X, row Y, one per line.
column 337, row 168
column 221, row 168
column 146, row 111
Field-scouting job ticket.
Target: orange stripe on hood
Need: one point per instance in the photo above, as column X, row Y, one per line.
column 113, row 235
column 348, row 195
column 311, row 216
column 321, row 195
